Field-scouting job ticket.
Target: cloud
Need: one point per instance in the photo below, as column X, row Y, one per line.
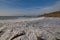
column 52, row 8
column 48, row 9
column 37, row 10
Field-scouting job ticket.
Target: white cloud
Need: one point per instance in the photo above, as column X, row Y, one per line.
column 55, row 7
column 30, row 11
column 41, row 10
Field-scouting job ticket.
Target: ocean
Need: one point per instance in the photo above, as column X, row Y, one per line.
column 14, row 17
column 29, row 28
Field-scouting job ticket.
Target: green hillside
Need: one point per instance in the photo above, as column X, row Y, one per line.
column 53, row 14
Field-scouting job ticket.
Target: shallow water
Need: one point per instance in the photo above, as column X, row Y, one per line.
column 48, row 28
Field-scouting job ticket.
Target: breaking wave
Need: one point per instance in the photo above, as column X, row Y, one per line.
column 30, row 29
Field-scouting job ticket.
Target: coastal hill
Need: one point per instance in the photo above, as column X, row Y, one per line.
column 52, row 14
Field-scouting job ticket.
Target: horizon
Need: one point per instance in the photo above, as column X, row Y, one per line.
column 28, row 7
column 29, row 15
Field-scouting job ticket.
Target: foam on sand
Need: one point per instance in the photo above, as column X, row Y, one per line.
column 30, row 29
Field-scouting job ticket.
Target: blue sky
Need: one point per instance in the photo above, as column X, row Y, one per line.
column 28, row 7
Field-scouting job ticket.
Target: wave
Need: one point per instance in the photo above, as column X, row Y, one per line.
column 30, row 28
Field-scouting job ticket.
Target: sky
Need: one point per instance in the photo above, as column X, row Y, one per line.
column 28, row 7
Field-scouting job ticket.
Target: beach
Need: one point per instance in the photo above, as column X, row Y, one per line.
column 47, row 28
